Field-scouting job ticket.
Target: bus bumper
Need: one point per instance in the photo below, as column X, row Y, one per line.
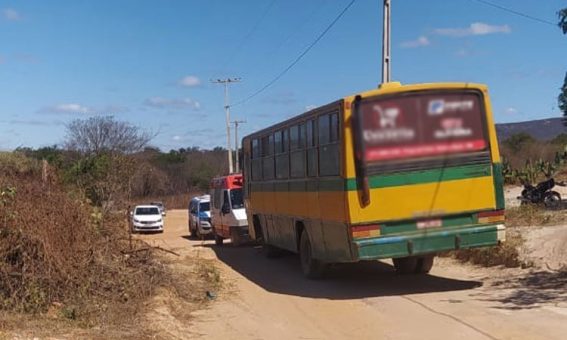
column 429, row 241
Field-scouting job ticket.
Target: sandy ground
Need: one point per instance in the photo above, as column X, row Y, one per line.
column 269, row 299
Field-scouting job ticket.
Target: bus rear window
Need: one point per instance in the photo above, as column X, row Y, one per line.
column 422, row 125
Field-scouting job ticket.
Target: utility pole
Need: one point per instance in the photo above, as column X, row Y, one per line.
column 227, row 82
column 236, row 122
column 386, row 44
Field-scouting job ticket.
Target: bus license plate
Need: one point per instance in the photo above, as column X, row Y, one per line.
column 429, row 224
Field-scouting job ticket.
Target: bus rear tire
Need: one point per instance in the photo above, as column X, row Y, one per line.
column 312, row 268
column 405, row 265
column 424, row 264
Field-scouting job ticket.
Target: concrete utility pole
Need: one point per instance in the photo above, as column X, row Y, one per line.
column 236, row 122
column 226, row 82
column 386, row 44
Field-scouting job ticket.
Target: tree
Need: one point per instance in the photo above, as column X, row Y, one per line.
column 563, row 20
column 518, row 141
column 560, row 139
column 562, row 99
column 97, row 135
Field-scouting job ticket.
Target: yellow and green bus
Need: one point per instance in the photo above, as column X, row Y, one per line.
column 402, row 172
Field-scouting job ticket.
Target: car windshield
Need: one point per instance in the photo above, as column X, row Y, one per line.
column 236, row 198
column 147, row 211
column 204, row 206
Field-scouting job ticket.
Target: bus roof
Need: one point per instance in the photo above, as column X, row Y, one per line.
column 395, row 87
column 387, row 88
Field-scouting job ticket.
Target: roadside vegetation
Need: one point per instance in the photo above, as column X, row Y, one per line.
column 525, row 159
column 65, row 250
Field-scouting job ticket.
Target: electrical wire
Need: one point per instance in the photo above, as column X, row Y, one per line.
column 505, row 9
column 290, row 66
column 248, row 35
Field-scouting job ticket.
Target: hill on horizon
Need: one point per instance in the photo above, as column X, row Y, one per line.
column 542, row 129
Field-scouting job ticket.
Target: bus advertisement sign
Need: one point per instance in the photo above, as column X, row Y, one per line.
column 422, row 125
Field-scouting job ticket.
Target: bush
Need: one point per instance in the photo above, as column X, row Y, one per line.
column 53, row 252
column 505, row 254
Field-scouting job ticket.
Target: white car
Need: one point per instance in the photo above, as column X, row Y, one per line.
column 147, row 218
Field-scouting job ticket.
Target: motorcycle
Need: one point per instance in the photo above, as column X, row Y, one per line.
column 542, row 193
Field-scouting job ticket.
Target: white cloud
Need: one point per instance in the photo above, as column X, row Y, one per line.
column 11, row 14
column 419, row 42
column 68, row 108
column 177, row 138
column 511, row 111
column 172, row 103
column 477, row 28
column 35, row 122
column 75, row 108
column 189, row 81
column 310, row 107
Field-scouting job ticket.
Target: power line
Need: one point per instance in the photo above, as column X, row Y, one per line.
column 505, row 9
column 242, row 41
column 290, row 66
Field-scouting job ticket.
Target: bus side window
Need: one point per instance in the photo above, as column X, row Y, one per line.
column 256, row 160
column 328, row 144
column 297, row 151
column 268, row 157
column 282, row 156
column 311, row 148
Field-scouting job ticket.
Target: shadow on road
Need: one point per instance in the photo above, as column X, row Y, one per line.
column 533, row 289
column 345, row 281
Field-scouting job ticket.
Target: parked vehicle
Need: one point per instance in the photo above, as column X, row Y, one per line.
column 401, row 172
column 147, row 218
column 542, row 193
column 200, row 216
column 160, row 206
column 228, row 215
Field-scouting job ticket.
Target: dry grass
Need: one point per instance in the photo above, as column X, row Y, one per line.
column 533, row 215
column 65, row 272
column 61, row 266
column 505, row 254
column 54, row 253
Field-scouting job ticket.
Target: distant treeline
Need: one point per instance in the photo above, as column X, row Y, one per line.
column 153, row 172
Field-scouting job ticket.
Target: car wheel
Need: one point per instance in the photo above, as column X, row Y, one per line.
column 218, row 239
column 235, row 237
column 311, row 267
column 198, row 233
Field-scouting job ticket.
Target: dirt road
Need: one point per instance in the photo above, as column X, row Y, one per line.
column 269, row 299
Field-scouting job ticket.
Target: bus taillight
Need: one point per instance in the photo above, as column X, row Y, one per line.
column 490, row 216
column 364, row 231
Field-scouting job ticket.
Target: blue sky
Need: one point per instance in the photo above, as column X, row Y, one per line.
column 149, row 62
